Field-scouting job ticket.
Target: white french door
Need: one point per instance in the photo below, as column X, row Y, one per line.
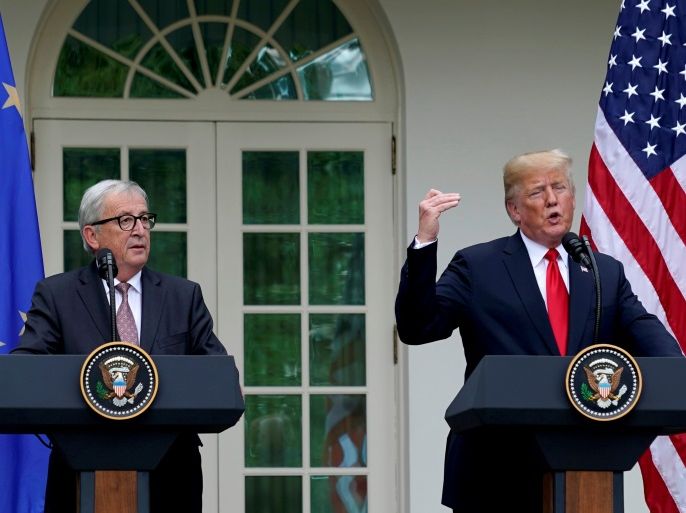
column 288, row 228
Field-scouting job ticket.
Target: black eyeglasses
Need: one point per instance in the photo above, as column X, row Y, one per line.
column 127, row 222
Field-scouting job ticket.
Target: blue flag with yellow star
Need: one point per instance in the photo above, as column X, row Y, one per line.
column 23, row 460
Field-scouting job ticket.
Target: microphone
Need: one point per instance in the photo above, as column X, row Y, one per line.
column 107, row 270
column 582, row 254
column 576, row 249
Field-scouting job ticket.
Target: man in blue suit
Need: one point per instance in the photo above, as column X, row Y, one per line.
column 70, row 315
column 499, row 296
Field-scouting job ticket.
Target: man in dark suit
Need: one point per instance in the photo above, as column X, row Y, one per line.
column 70, row 315
column 501, row 297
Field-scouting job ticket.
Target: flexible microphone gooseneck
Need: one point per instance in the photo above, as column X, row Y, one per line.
column 107, row 270
column 582, row 254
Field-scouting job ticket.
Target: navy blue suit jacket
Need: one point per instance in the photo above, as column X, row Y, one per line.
column 70, row 315
column 490, row 294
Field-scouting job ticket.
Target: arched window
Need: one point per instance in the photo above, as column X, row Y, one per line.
column 250, row 49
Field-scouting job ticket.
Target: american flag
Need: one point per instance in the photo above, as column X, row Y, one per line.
column 635, row 206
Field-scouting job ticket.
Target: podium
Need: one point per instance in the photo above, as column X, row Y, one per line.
column 585, row 459
column 41, row 394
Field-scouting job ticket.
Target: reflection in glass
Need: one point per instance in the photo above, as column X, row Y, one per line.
column 168, row 253
column 262, row 13
column 271, row 187
column 338, row 430
column 162, row 174
column 338, row 494
column 160, row 62
column 83, row 167
column 336, row 266
column 144, row 87
column 126, row 36
column 165, row 13
column 213, row 35
column 268, row 61
column 273, row 431
column 183, row 42
column 272, row 349
column 312, row 25
column 84, row 71
column 242, row 43
column 282, row 88
column 337, row 350
column 335, row 187
column 273, row 494
column 74, row 254
column 340, row 74
column 271, row 268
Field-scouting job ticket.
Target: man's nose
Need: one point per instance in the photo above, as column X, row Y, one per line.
column 138, row 228
column 550, row 196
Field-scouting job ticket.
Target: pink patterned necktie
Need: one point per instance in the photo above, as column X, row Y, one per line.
column 126, row 325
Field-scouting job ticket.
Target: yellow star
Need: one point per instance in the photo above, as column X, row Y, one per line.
column 12, row 98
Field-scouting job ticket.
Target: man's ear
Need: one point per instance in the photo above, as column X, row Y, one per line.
column 90, row 235
column 512, row 211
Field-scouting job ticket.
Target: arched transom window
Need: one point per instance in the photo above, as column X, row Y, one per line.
column 250, row 49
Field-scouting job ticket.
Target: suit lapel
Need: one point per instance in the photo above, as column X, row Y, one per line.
column 153, row 299
column 518, row 264
column 581, row 303
column 94, row 298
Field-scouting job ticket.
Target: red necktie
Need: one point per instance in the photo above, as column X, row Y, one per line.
column 557, row 298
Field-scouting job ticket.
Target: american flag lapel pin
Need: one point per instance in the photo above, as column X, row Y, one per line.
column 583, row 269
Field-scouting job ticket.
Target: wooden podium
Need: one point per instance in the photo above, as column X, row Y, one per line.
column 585, row 458
column 41, row 394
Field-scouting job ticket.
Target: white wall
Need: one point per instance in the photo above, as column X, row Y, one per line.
column 483, row 80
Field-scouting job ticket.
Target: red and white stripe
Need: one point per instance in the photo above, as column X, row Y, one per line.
column 642, row 223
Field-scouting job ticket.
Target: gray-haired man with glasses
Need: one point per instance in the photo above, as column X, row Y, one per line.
column 70, row 315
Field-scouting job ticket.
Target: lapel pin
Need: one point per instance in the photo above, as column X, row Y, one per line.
column 583, row 269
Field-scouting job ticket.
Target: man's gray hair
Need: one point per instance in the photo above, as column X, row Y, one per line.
column 92, row 202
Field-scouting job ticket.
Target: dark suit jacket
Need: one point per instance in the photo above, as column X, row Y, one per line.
column 70, row 315
column 489, row 292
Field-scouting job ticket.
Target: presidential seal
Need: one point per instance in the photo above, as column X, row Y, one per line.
column 119, row 380
column 603, row 382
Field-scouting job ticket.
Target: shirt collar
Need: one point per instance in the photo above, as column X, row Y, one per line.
column 134, row 281
column 537, row 251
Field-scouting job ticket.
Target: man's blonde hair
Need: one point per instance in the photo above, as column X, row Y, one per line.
column 518, row 166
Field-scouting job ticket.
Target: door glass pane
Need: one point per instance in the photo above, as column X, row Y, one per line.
column 242, row 45
column 337, row 350
column 262, row 13
column 84, row 71
column 144, row 87
column 160, row 62
column 165, row 13
column 338, row 430
column 282, row 88
column 83, row 167
column 168, row 253
column 273, row 434
column 336, row 267
column 74, row 254
column 271, row 187
column 271, row 268
column 338, row 494
column 268, row 60
column 213, row 35
column 183, row 42
column 313, row 24
column 339, row 75
column 162, row 174
column 335, row 187
column 272, row 349
column 273, row 494
column 126, row 36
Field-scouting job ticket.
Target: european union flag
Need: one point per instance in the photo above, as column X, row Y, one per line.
column 23, row 460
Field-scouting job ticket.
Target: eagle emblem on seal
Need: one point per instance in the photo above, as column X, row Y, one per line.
column 603, row 382
column 119, row 380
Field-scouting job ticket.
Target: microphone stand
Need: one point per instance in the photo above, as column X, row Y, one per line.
column 110, row 285
column 598, row 296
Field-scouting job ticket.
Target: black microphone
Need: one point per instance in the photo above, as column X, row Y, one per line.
column 107, row 270
column 582, row 254
column 576, row 249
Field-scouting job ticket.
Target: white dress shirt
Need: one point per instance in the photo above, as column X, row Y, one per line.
column 135, row 296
